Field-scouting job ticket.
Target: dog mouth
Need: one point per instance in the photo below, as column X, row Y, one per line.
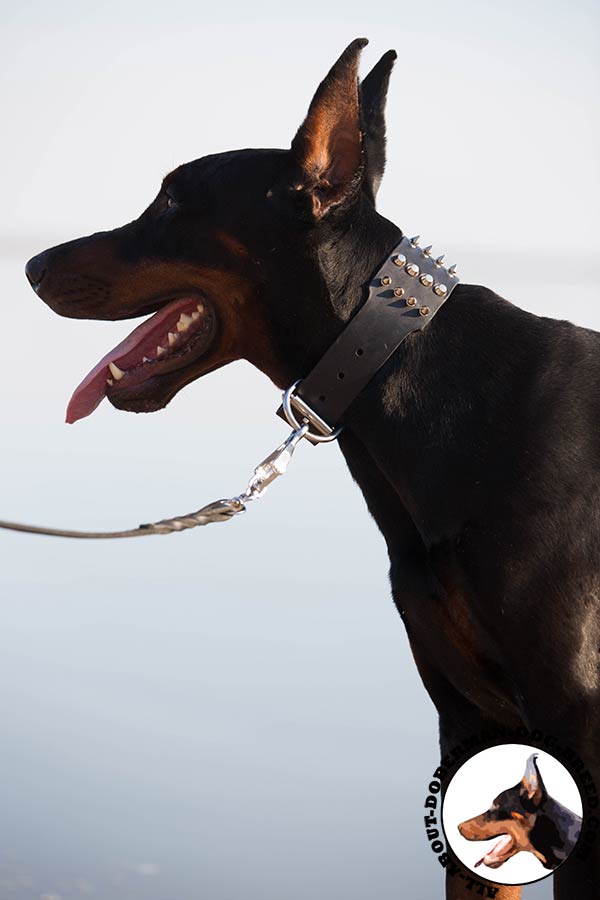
column 179, row 334
column 500, row 852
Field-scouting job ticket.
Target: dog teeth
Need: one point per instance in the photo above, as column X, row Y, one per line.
column 160, row 351
column 184, row 322
column 146, row 359
column 110, row 381
column 200, row 307
column 115, row 371
column 172, row 339
column 195, row 316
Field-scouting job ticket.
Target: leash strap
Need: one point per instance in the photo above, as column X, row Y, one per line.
column 404, row 296
column 219, row 511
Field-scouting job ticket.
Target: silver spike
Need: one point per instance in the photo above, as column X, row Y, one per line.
column 452, row 271
column 440, row 260
column 427, row 250
column 414, row 241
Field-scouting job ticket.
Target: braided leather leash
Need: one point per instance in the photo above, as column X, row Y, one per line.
column 219, row 511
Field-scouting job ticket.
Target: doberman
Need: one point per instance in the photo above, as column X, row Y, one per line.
column 525, row 817
column 476, row 446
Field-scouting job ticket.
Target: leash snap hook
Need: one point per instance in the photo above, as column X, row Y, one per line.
column 272, row 467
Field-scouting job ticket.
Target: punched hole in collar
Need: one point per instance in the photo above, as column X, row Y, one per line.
column 340, row 376
column 359, row 351
column 322, row 398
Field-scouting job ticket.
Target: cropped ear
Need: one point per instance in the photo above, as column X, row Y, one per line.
column 328, row 147
column 532, row 789
column 373, row 94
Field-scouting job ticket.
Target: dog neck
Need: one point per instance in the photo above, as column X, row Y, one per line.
column 314, row 284
column 436, row 420
column 440, row 419
column 351, row 252
column 554, row 832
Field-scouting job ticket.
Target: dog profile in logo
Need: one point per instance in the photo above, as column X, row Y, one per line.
column 526, row 818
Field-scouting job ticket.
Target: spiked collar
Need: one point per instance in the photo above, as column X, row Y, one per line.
column 404, row 295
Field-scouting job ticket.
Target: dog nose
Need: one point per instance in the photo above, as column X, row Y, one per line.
column 35, row 270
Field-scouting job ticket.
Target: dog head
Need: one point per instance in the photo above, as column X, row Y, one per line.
column 236, row 256
column 511, row 817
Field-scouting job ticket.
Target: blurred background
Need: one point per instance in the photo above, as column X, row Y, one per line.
column 234, row 713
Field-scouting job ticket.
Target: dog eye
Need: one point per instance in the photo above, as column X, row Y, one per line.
column 170, row 202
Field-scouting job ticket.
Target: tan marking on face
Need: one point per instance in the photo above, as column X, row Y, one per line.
column 92, row 282
column 235, row 247
column 481, row 829
column 243, row 330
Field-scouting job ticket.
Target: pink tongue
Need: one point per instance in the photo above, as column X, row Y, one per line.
column 491, row 855
column 141, row 342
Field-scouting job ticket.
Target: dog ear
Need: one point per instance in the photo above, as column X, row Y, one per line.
column 373, row 95
column 532, row 789
column 328, row 146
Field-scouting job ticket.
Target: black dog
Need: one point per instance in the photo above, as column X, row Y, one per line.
column 477, row 446
column 527, row 819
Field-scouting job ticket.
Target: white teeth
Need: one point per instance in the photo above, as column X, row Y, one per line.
column 145, row 359
column 110, row 381
column 184, row 322
column 160, row 351
column 172, row 338
column 200, row 307
column 115, row 371
column 195, row 316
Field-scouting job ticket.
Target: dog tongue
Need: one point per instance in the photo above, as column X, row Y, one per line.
column 142, row 341
column 492, row 855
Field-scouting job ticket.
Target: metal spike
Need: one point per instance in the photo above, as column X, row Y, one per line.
column 452, row 270
column 427, row 250
column 415, row 240
column 440, row 260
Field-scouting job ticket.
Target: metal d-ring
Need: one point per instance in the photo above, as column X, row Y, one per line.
column 310, row 418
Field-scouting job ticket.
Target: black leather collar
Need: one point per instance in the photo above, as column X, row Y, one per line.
column 404, row 295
